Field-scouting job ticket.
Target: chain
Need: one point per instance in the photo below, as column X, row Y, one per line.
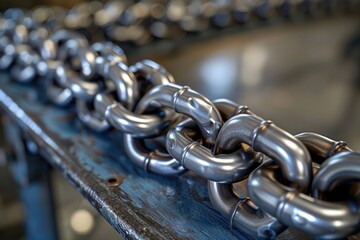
column 140, row 22
column 281, row 180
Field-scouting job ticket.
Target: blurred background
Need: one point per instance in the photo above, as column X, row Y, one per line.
column 299, row 68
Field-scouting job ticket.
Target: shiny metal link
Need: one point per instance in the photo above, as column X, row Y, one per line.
column 151, row 160
column 125, row 83
column 320, row 146
column 169, row 128
column 147, row 73
column 65, row 43
column 223, row 168
column 38, row 39
column 152, row 73
column 265, row 137
column 90, row 117
column 338, row 169
column 138, row 125
column 83, row 88
column 7, row 54
column 321, row 219
column 110, row 65
column 321, row 149
column 102, row 58
column 188, row 102
column 241, row 212
column 108, row 54
column 332, row 170
column 108, row 61
column 25, row 68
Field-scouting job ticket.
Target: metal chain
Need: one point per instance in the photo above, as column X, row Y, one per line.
column 285, row 180
column 141, row 21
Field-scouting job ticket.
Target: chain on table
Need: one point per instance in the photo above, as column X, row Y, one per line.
column 285, row 180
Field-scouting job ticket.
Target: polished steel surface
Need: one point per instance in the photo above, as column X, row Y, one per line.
column 148, row 74
column 321, row 147
column 234, row 205
column 151, row 160
column 320, row 219
column 91, row 118
column 242, row 213
column 188, row 102
column 335, row 171
column 183, row 144
column 264, row 136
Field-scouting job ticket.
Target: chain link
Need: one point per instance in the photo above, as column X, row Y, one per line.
column 222, row 142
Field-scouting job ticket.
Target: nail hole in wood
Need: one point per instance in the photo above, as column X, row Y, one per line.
column 113, row 181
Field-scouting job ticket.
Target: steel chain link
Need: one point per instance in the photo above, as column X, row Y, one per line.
column 286, row 181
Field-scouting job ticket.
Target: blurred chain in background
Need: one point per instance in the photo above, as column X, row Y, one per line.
column 140, row 22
